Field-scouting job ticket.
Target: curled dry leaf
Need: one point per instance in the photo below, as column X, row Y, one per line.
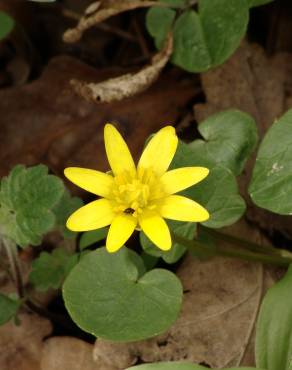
column 99, row 11
column 216, row 324
column 21, row 345
column 126, row 85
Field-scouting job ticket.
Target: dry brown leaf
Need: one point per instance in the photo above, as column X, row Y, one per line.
column 69, row 131
column 99, row 11
column 247, row 81
column 116, row 356
column 21, row 345
column 67, row 353
column 125, row 86
column 215, row 327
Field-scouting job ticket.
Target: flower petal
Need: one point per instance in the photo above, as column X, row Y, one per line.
column 176, row 207
column 92, row 216
column 182, row 178
column 160, row 151
column 120, row 230
column 156, row 229
column 96, row 182
column 118, row 153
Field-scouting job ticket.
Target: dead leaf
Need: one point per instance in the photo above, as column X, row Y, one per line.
column 63, row 130
column 117, row 356
column 215, row 327
column 68, row 353
column 99, row 11
column 126, row 85
column 247, row 81
column 21, row 345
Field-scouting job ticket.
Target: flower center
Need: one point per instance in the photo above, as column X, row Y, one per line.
column 132, row 194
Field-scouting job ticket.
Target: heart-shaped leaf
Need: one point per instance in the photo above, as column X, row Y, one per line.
column 270, row 187
column 158, row 22
column 6, row 25
column 205, row 39
column 273, row 332
column 106, row 295
column 218, row 192
column 231, row 137
column 27, row 197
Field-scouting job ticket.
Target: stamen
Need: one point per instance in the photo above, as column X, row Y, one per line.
column 132, row 194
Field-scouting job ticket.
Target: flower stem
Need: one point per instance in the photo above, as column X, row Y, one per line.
column 11, row 251
column 254, row 247
column 244, row 250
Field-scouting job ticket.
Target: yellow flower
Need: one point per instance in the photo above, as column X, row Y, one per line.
column 137, row 197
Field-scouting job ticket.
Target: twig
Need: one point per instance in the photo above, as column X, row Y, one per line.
column 102, row 26
column 110, row 9
column 142, row 42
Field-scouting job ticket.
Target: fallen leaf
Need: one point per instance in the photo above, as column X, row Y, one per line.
column 247, row 81
column 118, row 355
column 126, row 85
column 100, row 11
column 68, row 353
column 68, row 130
column 21, row 345
column 220, row 306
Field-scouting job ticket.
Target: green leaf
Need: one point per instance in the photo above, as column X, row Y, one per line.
column 8, row 308
column 224, row 23
column 190, row 50
column 205, row 39
column 179, row 366
column 149, row 261
column 231, row 137
column 253, row 3
column 184, row 229
column 273, row 331
column 270, row 187
column 158, row 23
column 63, row 209
column 106, row 295
column 6, row 25
column 50, row 270
column 218, row 192
column 27, row 197
column 91, row 237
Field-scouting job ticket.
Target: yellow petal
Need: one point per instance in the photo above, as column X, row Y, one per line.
column 120, row 230
column 176, row 207
column 160, row 151
column 118, row 153
column 156, row 229
column 96, row 182
column 182, row 178
column 92, row 216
